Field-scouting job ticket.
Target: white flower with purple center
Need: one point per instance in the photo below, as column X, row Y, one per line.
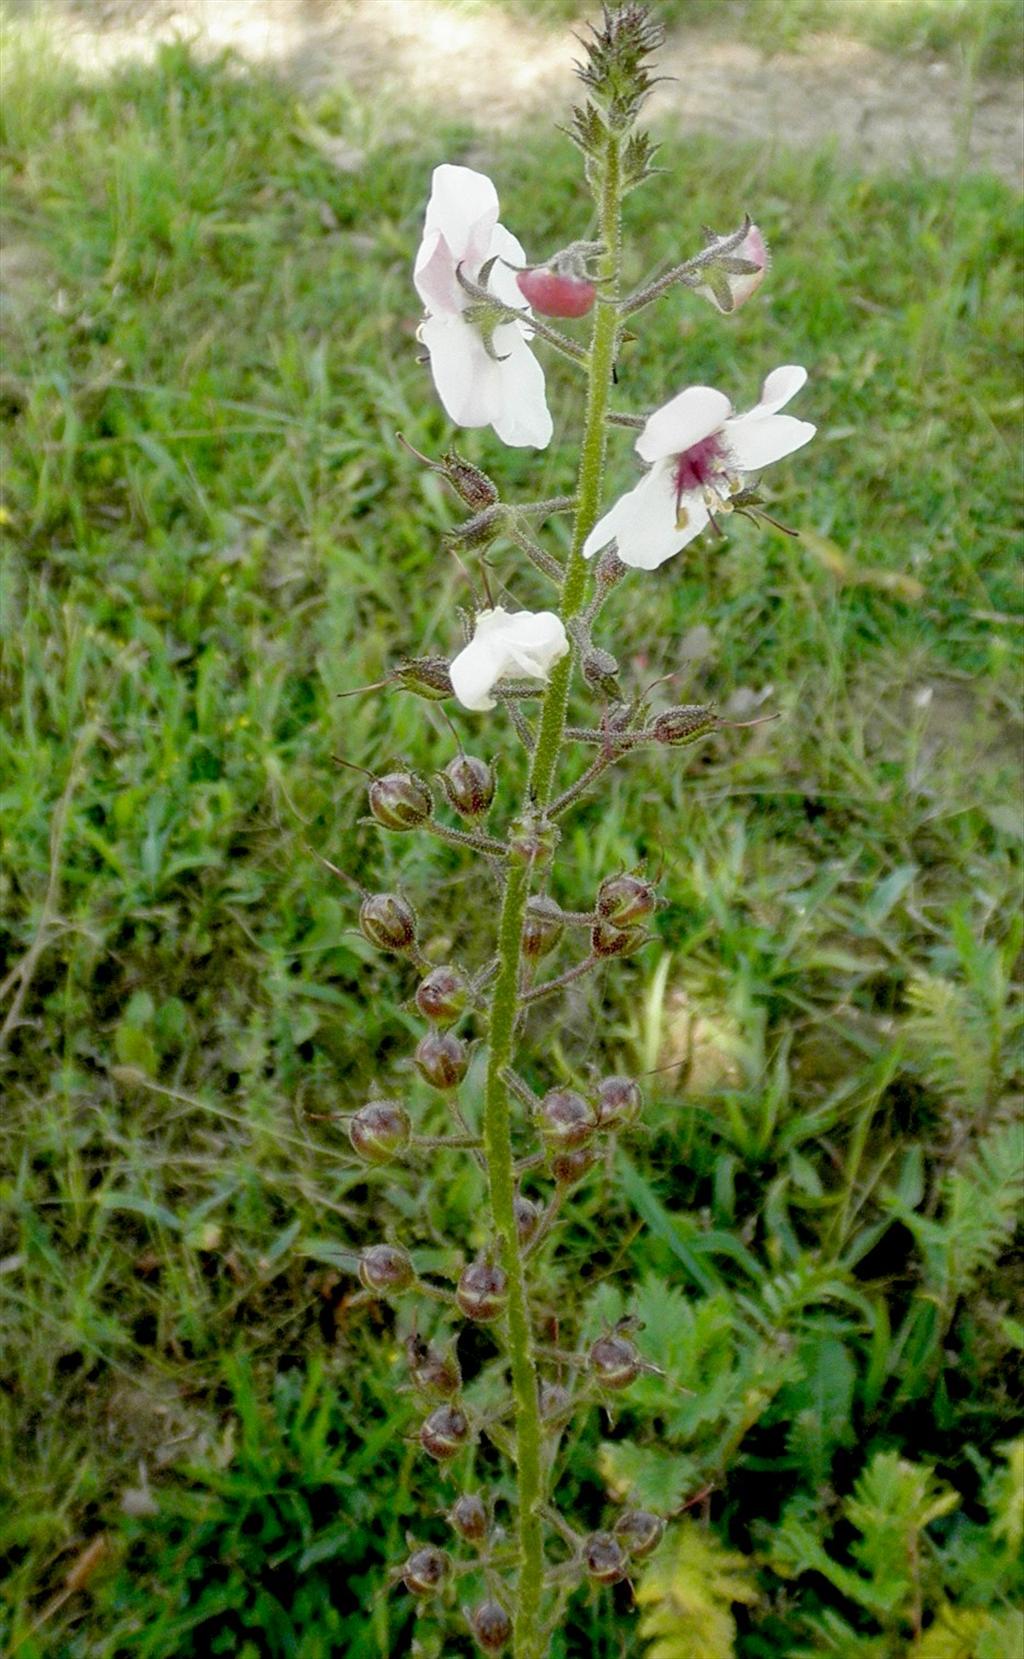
column 482, row 380
column 517, row 644
column 698, row 452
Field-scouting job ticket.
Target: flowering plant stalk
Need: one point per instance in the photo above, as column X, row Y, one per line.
column 488, row 314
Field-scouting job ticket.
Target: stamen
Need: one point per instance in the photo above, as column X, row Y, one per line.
column 698, row 469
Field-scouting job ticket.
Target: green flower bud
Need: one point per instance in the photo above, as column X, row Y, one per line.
column 474, row 486
column 615, row 1361
column 565, row 1120
column 380, row 1130
column 619, row 1102
column 386, row 1268
column 469, row 784
column 527, row 1219
column 491, row 1626
column 600, row 671
column 443, row 995
column 532, row 840
column 476, row 532
column 685, row 724
column 427, row 676
column 426, row 1571
column 543, row 927
column 606, row 940
column 468, row 1516
column 482, row 1292
column 623, row 900
column 388, row 922
column 639, row 1532
column 555, row 1402
column 442, row 1059
column 432, row 1372
column 444, row 1433
column 571, row 1166
column 604, row 1559
column 400, row 801
column 615, row 68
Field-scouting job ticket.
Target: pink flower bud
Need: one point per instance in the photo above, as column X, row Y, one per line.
column 444, row 1433
column 639, row 1532
column 469, row 785
column 571, row 1166
column 615, row 1361
column 388, row 922
column 731, row 279
column 556, row 294
column 608, row 940
column 565, row 1120
column 380, row 1130
column 554, row 1401
column 619, row 1102
column 491, row 1626
column 441, row 1059
column 432, row 1372
column 443, row 995
column 623, row 900
column 482, row 1292
column 531, row 840
column 543, row 927
column 468, row 1516
column 527, row 1219
column 604, row 1558
column 385, row 1268
column 400, row 801
column 426, row 1570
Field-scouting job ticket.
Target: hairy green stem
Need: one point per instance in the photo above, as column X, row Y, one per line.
column 531, row 1633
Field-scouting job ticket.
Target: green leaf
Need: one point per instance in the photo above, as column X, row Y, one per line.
column 818, row 1407
column 687, row 1594
column 648, row 1476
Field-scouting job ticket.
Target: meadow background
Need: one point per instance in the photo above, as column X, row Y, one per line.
column 209, row 531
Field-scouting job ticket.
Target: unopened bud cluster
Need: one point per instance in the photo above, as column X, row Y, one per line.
column 569, row 1123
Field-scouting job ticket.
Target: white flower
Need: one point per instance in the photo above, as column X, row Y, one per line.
column 523, row 644
column 698, row 452
column 503, row 387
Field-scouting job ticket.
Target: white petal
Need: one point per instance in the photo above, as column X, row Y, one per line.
column 503, row 280
column 534, row 641
column 461, row 216
column 780, row 386
column 757, row 441
column 520, row 414
column 684, row 421
column 463, row 373
column 435, row 278
column 644, row 524
column 473, row 675
column 462, row 203
column 519, row 643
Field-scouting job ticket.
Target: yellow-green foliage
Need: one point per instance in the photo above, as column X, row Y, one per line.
column 970, row 1633
column 1006, row 1495
column 687, row 1595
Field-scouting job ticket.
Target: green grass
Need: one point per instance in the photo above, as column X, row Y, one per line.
column 210, row 531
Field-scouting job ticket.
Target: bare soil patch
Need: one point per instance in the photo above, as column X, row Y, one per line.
column 880, row 112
